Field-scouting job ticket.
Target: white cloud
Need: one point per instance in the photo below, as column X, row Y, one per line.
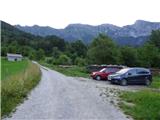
column 60, row 13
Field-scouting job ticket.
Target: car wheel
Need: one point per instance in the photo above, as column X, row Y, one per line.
column 98, row 77
column 123, row 82
column 147, row 82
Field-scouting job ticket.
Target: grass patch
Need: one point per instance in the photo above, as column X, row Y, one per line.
column 74, row 71
column 156, row 82
column 16, row 86
column 10, row 68
column 146, row 104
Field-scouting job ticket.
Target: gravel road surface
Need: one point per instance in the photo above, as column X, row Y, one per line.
column 67, row 98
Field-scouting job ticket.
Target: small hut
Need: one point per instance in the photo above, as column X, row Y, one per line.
column 14, row 57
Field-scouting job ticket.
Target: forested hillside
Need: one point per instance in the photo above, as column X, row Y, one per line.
column 36, row 47
column 16, row 41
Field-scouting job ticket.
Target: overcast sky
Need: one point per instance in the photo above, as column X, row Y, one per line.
column 60, row 13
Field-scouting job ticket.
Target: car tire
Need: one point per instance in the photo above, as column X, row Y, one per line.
column 111, row 82
column 123, row 82
column 98, row 77
column 147, row 82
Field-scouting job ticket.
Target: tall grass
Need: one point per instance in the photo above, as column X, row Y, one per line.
column 16, row 87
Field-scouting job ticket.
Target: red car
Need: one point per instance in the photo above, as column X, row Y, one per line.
column 103, row 73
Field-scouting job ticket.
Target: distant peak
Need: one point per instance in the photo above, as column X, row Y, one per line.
column 36, row 26
column 109, row 25
column 77, row 25
column 141, row 21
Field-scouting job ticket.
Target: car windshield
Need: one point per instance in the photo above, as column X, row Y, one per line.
column 109, row 70
column 122, row 71
column 102, row 70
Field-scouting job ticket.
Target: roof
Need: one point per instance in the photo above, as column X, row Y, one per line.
column 14, row 55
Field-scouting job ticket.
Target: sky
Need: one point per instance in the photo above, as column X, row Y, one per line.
column 60, row 13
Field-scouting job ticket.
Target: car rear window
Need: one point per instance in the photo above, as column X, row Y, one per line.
column 142, row 71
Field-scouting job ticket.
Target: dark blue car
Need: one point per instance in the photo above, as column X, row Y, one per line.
column 131, row 76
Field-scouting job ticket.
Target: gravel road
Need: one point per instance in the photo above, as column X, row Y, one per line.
column 67, row 98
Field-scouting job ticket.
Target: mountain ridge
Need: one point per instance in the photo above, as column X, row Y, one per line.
column 140, row 30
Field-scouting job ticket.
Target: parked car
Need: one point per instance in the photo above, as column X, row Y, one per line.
column 131, row 76
column 94, row 68
column 103, row 73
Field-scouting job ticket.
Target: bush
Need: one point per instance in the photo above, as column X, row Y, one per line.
column 40, row 54
column 49, row 60
column 80, row 61
column 64, row 60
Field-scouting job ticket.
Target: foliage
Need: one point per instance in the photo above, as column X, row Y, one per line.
column 49, row 60
column 155, row 38
column 149, row 56
column 56, row 52
column 80, row 61
column 49, row 43
column 64, row 60
column 40, row 55
column 77, row 47
column 129, row 56
column 103, row 51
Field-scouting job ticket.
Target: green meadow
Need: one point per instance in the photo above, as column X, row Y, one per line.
column 9, row 68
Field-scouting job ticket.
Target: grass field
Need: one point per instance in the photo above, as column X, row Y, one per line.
column 11, row 68
column 18, row 79
column 145, row 103
column 74, row 71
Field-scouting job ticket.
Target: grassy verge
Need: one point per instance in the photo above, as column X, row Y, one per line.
column 144, row 104
column 16, row 86
column 74, row 71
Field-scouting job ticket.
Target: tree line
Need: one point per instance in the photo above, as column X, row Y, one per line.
column 102, row 50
